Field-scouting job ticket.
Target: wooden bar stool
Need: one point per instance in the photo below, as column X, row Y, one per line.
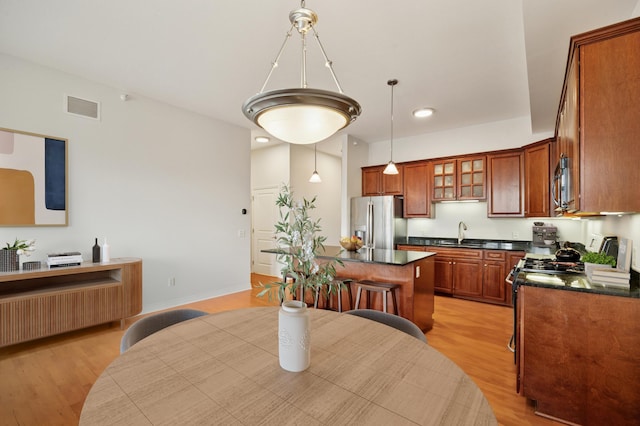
column 378, row 287
column 336, row 283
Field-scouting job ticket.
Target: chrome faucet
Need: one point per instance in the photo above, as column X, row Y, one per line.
column 461, row 228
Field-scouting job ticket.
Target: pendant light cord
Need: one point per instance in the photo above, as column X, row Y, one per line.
column 392, row 83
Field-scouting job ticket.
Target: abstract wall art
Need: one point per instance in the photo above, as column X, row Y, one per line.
column 33, row 179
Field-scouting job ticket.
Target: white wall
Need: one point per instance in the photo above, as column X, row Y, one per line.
column 293, row 164
column 327, row 192
column 163, row 184
column 464, row 140
column 270, row 166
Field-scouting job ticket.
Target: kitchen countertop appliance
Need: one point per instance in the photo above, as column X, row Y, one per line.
column 544, row 235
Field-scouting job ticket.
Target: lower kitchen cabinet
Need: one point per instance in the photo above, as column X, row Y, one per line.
column 494, row 270
column 472, row 274
column 467, row 276
column 458, row 272
column 577, row 355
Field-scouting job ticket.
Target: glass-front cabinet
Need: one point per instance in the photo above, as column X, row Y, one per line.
column 444, row 180
column 459, row 179
column 472, row 178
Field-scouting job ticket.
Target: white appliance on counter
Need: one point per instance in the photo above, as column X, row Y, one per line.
column 378, row 221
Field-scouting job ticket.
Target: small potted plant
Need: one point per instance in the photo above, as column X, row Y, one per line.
column 593, row 260
column 9, row 255
column 299, row 242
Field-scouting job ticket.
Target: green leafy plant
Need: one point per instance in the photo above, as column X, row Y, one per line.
column 599, row 258
column 22, row 246
column 298, row 243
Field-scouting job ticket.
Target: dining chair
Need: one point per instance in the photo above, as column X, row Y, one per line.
column 150, row 324
column 395, row 321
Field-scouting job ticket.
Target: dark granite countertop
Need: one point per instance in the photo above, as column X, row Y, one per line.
column 380, row 256
column 469, row 243
column 577, row 282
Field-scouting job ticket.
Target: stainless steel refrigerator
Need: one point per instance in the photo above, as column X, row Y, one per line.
column 378, row 221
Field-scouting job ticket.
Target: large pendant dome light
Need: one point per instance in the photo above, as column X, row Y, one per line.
column 391, row 168
column 301, row 115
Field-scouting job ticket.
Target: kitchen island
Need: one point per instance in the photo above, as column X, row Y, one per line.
column 576, row 347
column 412, row 270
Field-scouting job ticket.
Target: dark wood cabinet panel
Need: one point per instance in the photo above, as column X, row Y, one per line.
column 372, row 181
column 417, row 191
column 375, row 182
column 493, row 288
column 443, row 275
column 573, row 358
column 467, row 277
column 610, row 124
column 598, row 124
column 537, row 181
column 506, row 185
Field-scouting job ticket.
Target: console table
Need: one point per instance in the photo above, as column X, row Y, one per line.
column 44, row 302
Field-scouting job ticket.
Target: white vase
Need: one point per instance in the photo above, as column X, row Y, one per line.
column 293, row 336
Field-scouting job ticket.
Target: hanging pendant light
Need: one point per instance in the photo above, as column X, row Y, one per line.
column 315, row 177
column 301, row 115
column 391, row 168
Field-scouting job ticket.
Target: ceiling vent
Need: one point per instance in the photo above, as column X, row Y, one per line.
column 82, row 107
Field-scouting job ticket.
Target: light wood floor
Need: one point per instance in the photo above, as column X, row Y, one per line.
column 46, row 381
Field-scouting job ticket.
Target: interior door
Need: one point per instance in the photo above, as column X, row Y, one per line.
column 264, row 217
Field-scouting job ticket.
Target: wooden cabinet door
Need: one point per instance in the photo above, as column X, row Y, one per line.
column 371, row 181
column 471, row 178
column 493, row 274
column 467, row 277
column 537, row 198
column 444, row 180
column 417, row 200
column 392, row 184
column 506, row 185
column 610, row 124
column 375, row 182
column 443, row 274
column 493, row 287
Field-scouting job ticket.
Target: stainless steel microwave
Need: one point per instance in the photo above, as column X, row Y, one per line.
column 561, row 187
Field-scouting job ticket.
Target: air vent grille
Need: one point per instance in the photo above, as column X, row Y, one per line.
column 82, row 107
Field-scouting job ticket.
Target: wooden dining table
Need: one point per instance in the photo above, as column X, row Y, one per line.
column 223, row 369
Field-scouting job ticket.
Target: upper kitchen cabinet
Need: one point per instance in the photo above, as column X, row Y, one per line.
column 598, row 125
column 537, row 198
column 374, row 182
column 444, row 180
column 417, row 190
column 459, row 179
column 505, row 184
column 471, row 178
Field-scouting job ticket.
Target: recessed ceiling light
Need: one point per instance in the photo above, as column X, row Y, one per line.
column 262, row 139
column 423, row 112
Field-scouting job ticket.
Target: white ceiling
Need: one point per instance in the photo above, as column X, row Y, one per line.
column 474, row 61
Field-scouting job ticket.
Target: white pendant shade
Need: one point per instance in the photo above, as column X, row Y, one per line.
column 315, row 177
column 301, row 124
column 391, row 169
